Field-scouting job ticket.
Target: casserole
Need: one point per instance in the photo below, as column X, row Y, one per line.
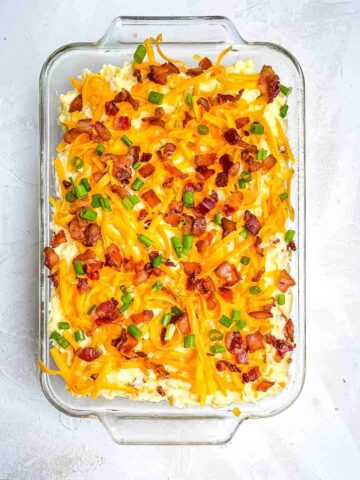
column 212, row 35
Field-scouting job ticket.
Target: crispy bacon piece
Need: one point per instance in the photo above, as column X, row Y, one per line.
column 233, row 138
column 289, row 330
column 199, row 226
column 281, row 346
column 142, row 214
column 156, row 118
column 258, row 275
column 187, row 118
column 113, row 256
column 223, row 98
column 85, row 125
column 77, row 229
column 205, row 63
column 119, row 341
column 151, row 198
column 58, row 238
column 106, row 312
column 145, row 157
column 160, row 390
column 251, row 375
column 227, row 271
column 264, row 386
column 88, row 354
column 123, row 122
column 269, row 162
column 204, row 103
column 183, row 324
column 159, row 73
column 121, row 167
column 92, row 233
column 191, row 268
column 204, row 173
column 226, row 294
column 205, row 160
column 111, row 108
column 207, row 204
column 66, row 184
column 221, row 179
column 54, row 277
column 205, row 285
column 291, row 246
column 254, row 341
column 174, row 171
column 147, row 170
column 76, row 105
column 194, row 72
column 252, row 223
column 141, row 275
column 51, row 258
column 160, row 370
column 137, row 74
column 228, row 210
column 241, row 356
column 124, row 96
column 242, row 121
column 233, row 341
column 204, row 244
column 261, row 314
column 78, row 205
column 221, row 365
column 254, row 165
column 227, row 226
column 102, row 131
column 268, row 83
column 97, row 176
column 172, row 218
column 285, row 281
column 85, row 257
column 83, row 285
column 122, row 192
column 71, row 135
column 141, row 317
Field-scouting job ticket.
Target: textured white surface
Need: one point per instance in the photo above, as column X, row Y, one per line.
column 319, row 436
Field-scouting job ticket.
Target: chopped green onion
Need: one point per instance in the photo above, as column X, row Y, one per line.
column 91, row 309
column 189, row 341
column 254, row 290
column 217, row 348
column 126, row 140
column 134, row 199
column 245, row 260
column 203, row 129
column 175, row 310
column 127, row 203
column 240, row 325
column 79, row 336
column 59, row 339
column 55, row 336
column 139, row 54
column 78, row 268
column 176, row 243
column 80, row 191
column 187, row 243
column 226, row 321
column 242, row 183
column 217, row 219
column 136, row 165
column 285, row 90
column 289, row 236
column 88, row 214
column 283, row 196
column 280, row 299
column 261, row 154
column 77, row 163
column 124, row 307
column 246, row 176
column 137, row 184
column 105, row 204
column 157, row 286
column 156, row 97
column 166, row 319
column 170, row 330
column 100, row 149
column 95, row 201
column 235, row 315
column 283, row 110
column 215, row 335
column 134, row 331
column 72, row 182
column 86, row 183
column 158, row 261
column 70, row 196
column 63, row 325
column 126, row 298
column 189, row 99
column 145, row 240
column 256, row 128
column 244, row 233
column 188, row 199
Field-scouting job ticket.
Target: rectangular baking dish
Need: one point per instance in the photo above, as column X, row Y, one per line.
column 131, row 422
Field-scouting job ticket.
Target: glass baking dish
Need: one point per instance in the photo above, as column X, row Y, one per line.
column 131, row 422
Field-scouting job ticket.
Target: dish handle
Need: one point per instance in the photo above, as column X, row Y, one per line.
column 184, row 430
column 201, row 30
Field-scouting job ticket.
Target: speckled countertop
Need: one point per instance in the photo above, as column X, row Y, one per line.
column 319, row 436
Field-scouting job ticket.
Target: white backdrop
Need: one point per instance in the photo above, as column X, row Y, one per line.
column 318, row 437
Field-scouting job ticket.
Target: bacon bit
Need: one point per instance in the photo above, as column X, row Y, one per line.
column 168, row 149
column 204, row 244
column 92, row 233
column 204, row 103
column 226, row 294
column 261, row 315
column 187, row 118
column 51, row 258
column 205, row 160
column 147, row 170
column 233, row 138
column 205, row 63
column 122, row 122
column 289, row 330
column 146, row 157
column 227, row 226
column 54, row 277
column 228, row 209
column 160, row 370
column 88, row 354
column 93, row 267
column 86, row 257
column 134, row 152
column 193, row 187
column 183, row 324
column 97, row 176
column 121, row 167
column 151, row 198
column 211, row 302
column 71, row 135
column 228, row 272
column 269, row 162
column 194, row 72
column 233, row 341
column 258, row 275
column 241, row 122
column 58, row 238
column 156, row 119
column 252, row 223
column 251, row 375
column 106, row 312
column 291, row 246
column 226, row 163
column 253, row 165
column 191, row 282
column 205, row 285
column 102, row 131
column 188, row 222
column 142, row 214
column 93, row 275
column 76, row 105
column 66, row 184
column 111, row 108
column 119, row 341
column 254, row 341
column 281, row 346
column 204, row 173
column 141, row 275
column 241, row 356
column 221, row 365
column 113, row 256
column 85, row 125
column 124, row 96
column 159, row 73
column 122, row 192
column 221, row 179
column 144, row 316
column 267, row 308
column 174, row 171
column 172, row 219
column 160, row 390
column 77, row 228
column 137, row 74
column 268, row 83
column 207, row 204
column 264, row 386
column 191, row 268
column 199, row 226
column 285, row 281
column 83, row 285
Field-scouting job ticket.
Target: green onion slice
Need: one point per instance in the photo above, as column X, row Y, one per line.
column 170, row 330
column 217, row 348
column 125, row 139
column 189, row 341
column 91, row 309
column 215, row 335
column 79, row 335
column 139, row 54
column 203, row 129
column 256, row 128
column 77, row 163
column 235, row 315
column 78, row 268
column 245, row 260
column 145, row 240
column 157, row 286
column 156, row 97
column 70, row 196
column 100, row 149
column 280, row 299
column 188, row 199
column 88, row 214
column 289, row 236
column 137, row 184
column 166, row 319
column 63, row 325
column 80, row 191
column 134, row 331
column 255, row 290
column 283, row 196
